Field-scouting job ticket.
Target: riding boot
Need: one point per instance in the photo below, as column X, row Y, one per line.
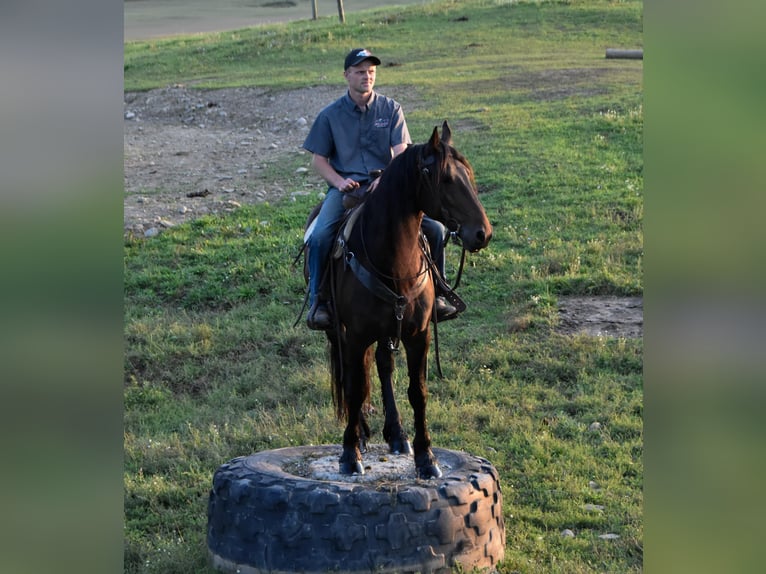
column 444, row 309
column 319, row 318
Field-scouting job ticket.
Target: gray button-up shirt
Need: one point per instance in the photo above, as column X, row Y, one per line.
column 357, row 141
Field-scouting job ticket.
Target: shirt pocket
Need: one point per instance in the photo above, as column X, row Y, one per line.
column 381, row 135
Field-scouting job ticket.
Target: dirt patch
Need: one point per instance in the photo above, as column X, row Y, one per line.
column 602, row 316
column 190, row 153
column 380, row 467
column 560, row 84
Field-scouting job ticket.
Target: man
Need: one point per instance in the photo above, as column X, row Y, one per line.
column 356, row 135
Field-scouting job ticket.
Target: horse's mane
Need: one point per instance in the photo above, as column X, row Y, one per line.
column 399, row 172
column 401, row 177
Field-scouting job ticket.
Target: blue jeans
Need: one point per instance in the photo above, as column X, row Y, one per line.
column 435, row 233
column 320, row 242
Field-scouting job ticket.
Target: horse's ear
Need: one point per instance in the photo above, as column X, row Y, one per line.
column 446, row 133
column 434, row 141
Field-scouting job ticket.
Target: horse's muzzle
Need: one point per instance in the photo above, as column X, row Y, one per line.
column 476, row 238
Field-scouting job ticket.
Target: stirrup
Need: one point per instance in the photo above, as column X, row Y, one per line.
column 454, row 300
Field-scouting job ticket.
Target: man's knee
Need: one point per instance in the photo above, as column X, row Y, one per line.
column 434, row 231
column 321, row 238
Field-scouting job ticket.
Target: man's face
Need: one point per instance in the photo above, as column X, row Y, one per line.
column 361, row 78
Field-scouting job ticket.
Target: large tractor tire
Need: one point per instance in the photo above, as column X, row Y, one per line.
column 279, row 511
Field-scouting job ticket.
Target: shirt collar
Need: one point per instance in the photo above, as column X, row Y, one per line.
column 351, row 105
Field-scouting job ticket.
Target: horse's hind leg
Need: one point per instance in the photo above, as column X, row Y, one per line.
column 425, row 461
column 364, row 427
column 393, row 432
column 356, row 389
column 364, row 432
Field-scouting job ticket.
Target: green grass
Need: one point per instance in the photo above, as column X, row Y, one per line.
column 214, row 368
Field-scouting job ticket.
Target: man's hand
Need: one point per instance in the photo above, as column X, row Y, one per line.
column 348, row 185
column 322, row 166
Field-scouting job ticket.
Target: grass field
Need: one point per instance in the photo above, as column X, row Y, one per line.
column 214, row 368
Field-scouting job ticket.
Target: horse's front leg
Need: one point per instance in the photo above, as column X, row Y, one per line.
column 356, row 390
column 393, row 432
column 426, row 465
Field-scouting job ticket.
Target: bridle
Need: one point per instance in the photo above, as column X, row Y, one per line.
column 427, row 183
column 426, row 180
column 372, row 280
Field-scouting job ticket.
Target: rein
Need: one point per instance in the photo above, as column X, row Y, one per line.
column 424, row 173
column 372, row 280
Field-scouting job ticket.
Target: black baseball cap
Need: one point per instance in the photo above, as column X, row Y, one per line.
column 359, row 55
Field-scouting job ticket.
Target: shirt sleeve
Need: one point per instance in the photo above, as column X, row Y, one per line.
column 399, row 132
column 320, row 140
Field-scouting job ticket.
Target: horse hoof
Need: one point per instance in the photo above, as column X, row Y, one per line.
column 351, row 467
column 401, row 447
column 429, row 471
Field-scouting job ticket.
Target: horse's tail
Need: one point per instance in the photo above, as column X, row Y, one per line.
column 339, row 397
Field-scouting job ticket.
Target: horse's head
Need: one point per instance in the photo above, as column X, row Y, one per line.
column 448, row 191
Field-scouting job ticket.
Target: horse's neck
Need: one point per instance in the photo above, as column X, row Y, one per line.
column 391, row 229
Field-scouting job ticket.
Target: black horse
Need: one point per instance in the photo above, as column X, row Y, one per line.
column 382, row 291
